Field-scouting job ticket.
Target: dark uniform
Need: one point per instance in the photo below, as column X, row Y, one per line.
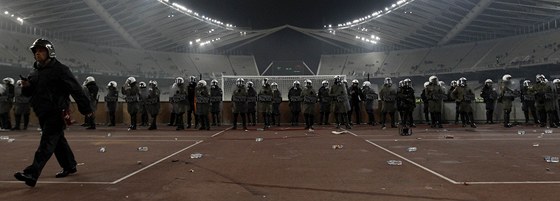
column 6, row 103
column 265, row 98
column 356, row 97
column 339, row 96
column 407, row 103
column 544, row 97
column 370, row 97
column 49, row 87
column 111, row 100
column 152, row 103
column 239, row 99
column 21, row 107
column 309, row 97
column 191, row 102
column 202, row 105
column 132, row 97
column 92, row 90
column 506, row 97
column 180, row 102
column 489, row 95
column 276, row 101
column 435, row 95
column 451, row 98
column 216, row 97
column 425, row 103
column 251, row 103
column 325, row 103
column 464, row 96
column 528, row 102
column 143, row 104
column 388, row 96
column 294, row 96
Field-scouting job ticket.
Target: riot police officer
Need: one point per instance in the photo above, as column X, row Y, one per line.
column 21, row 107
column 132, row 96
column 180, row 102
column 545, row 102
column 309, row 100
column 340, row 101
column 294, row 96
column 528, row 101
column 407, row 102
column 369, row 99
column 111, row 99
column 265, row 98
column 203, row 105
column 152, row 103
column 489, row 95
column 356, row 97
column 144, row 92
column 191, row 94
column 325, row 103
column 251, row 103
column 452, row 87
column 92, row 90
column 388, row 96
column 216, row 96
column 6, row 102
column 276, row 101
column 426, row 103
column 506, row 97
column 239, row 99
column 435, row 95
column 463, row 95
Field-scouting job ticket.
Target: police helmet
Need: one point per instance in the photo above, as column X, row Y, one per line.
column 44, row 44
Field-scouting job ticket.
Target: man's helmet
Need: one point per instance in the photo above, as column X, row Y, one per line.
column 44, row 44
column 249, row 84
column 240, row 82
column 488, row 81
column 130, row 80
column 453, row 83
column 90, row 79
column 540, row 78
column 355, row 82
column 142, row 85
column 433, row 79
column 426, row 84
column 407, row 82
column 308, row 83
column 214, row 82
column 401, row 83
column 337, row 79
column 556, row 81
column 526, row 83
column 202, row 83
column 325, row 83
column 463, row 81
column 265, row 82
column 296, row 84
column 366, row 84
column 18, row 83
column 274, row 85
column 441, row 83
column 152, row 83
column 9, row 80
column 112, row 83
column 192, row 79
column 179, row 80
column 506, row 77
column 388, row 81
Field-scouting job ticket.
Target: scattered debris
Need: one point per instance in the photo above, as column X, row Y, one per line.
column 196, row 155
column 411, row 149
column 551, row 159
column 337, row 146
column 339, row 132
column 536, row 144
column 80, row 164
column 260, row 129
column 418, row 138
column 449, row 137
column 520, row 132
column 175, row 139
column 143, row 149
column 259, row 139
column 11, row 140
column 547, row 169
column 4, row 137
column 102, row 150
column 394, row 162
column 174, row 160
column 109, row 134
column 139, row 162
column 548, row 131
column 191, row 170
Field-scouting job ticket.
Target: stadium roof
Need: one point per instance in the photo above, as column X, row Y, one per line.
column 163, row 25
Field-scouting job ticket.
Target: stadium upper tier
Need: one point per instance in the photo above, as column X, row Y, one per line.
column 87, row 58
column 518, row 51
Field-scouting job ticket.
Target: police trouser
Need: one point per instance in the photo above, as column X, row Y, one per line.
column 384, row 117
column 215, row 118
column 179, row 120
column 172, row 117
column 25, row 120
column 52, row 141
column 309, row 120
column 243, row 119
column 112, row 118
column 190, row 112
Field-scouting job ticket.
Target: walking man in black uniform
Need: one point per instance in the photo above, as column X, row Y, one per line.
column 111, row 100
column 191, row 96
column 216, row 96
column 50, row 99
column 325, row 102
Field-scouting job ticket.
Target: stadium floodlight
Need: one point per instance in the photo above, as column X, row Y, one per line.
column 6, row 12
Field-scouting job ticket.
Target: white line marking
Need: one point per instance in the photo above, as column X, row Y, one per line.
column 218, row 133
column 155, row 163
column 59, row 182
column 416, row 164
column 113, row 140
column 508, row 182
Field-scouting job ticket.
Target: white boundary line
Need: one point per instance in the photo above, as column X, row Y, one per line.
column 155, row 163
column 416, row 164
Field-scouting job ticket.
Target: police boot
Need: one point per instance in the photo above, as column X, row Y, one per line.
column 180, row 123
column 506, row 120
column 347, row 121
column 214, row 119
column 91, row 123
column 132, row 122
column 471, row 120
column 244, row 120
column 153, row 126
column 306, row 119
column 311, row 121
column 172, row 119
column 18, row 121
column 326, row 121
column 393, row 120
column 25, row 121
column 234, row 123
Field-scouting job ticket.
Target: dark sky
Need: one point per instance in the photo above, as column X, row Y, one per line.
column 259, row 14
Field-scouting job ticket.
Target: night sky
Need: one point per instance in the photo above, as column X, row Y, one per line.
column 286, row 44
